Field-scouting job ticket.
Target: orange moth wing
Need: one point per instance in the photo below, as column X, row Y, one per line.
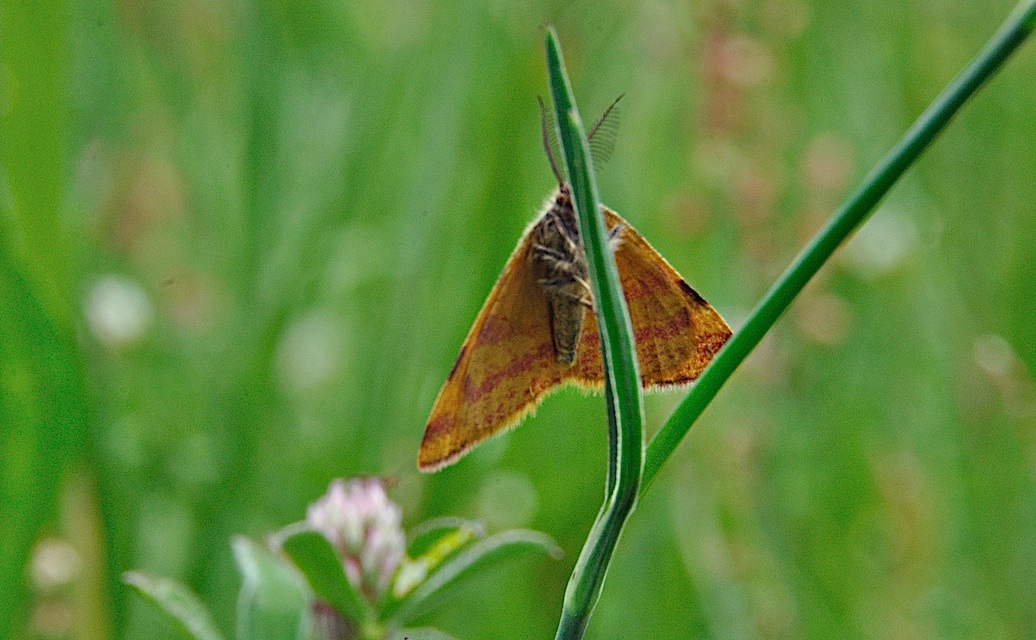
column 505, row 367
column 507, row 364
column 676, row 331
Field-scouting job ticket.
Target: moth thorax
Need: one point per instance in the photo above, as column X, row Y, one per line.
column 561, row 268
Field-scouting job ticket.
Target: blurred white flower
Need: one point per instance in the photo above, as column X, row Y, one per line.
column 55, row 563
column 312, row 352
column 118, row 311
column 365, row 527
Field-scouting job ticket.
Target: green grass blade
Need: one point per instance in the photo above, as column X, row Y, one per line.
column 622, row 377
column 846, row 220
column 44, row 416
column 43, row 427
column 33, row 117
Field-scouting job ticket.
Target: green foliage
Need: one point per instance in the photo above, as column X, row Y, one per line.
column 318, row 562
column 622, row 378
column 43, row 399
column 314, row 200
column 849, row 216
column 173, row 599
column 272, row 603
column 465, row 558
column 305, row 591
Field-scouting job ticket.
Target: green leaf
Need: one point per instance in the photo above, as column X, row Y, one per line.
column 469, row 561
column 436, row 544
column 184, row 611
column 431, row 533
column 319, row 563
column 1026, row 13
column 272, row 604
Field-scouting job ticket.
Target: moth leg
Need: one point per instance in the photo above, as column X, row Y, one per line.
column 558, row 264
column 555, row 283
column 560, row 269
column 543, row 251
column 614, row 234
column 558, row 286
column 575, row 297
column 587, row 299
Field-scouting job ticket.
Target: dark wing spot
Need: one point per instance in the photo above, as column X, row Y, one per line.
column 460, row 356
column 686, row 288
column 438, row 426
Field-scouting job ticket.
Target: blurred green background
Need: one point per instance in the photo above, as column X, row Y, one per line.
column 242, row 243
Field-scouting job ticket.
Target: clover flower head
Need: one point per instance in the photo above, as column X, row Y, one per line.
column 365, row 527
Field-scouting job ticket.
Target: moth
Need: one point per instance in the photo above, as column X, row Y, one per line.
column 537, row 330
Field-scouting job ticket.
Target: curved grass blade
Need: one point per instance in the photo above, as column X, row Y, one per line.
column 623, row 393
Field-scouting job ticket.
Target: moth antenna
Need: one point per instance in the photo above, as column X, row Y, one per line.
column 546, row 142
column 604, row 133
column 604, row 116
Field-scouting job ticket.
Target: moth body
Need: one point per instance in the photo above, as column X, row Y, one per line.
column 560, row 265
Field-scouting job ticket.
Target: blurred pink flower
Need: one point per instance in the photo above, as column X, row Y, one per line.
column 365, row 527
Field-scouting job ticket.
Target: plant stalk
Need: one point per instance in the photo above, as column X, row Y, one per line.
column 618, row 355
column 847, row 219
